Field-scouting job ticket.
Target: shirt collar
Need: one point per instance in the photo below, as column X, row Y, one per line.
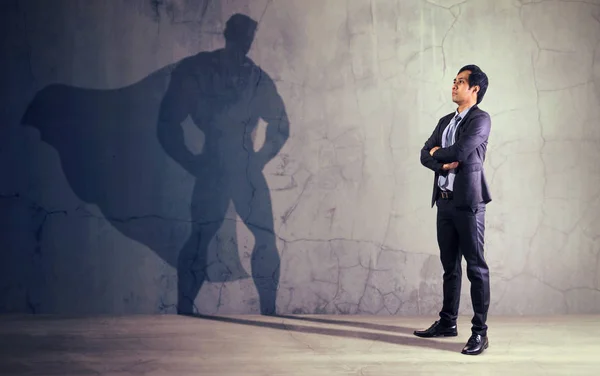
column 463, row 113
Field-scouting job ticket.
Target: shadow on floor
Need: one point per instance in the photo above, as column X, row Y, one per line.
column 382, row 337
column 364, row 325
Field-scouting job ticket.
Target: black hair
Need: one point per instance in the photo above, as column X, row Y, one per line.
column 476, row 78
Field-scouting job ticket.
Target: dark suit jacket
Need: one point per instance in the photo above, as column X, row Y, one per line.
column 470, row 187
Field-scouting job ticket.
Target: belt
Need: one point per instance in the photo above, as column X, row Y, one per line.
column 446, row 195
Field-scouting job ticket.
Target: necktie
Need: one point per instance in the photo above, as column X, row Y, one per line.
column 449, row 136
column 450, row 133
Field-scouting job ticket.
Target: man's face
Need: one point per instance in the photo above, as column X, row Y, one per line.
column 460, row 88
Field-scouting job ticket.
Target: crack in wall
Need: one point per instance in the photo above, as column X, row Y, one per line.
column 361, row 297
column 443, row 7
column 541, row 150
column 448, row 32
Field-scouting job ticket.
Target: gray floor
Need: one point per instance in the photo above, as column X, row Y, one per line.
column 295, row 345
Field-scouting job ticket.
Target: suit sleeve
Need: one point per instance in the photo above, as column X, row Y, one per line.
column 426, row 159
column 474, row 135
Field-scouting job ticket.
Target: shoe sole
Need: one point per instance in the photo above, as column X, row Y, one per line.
column 439, row 335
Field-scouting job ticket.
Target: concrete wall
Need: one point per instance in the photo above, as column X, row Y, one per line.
column 94, row 212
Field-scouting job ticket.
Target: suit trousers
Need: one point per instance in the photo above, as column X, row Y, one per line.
column 460, row 232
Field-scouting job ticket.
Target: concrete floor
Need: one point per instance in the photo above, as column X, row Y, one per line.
column 295, row 345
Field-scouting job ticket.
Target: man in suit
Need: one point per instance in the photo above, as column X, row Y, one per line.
column 456, row 153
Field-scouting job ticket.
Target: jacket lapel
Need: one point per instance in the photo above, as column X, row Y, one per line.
column 444, row 125
column 463, row 122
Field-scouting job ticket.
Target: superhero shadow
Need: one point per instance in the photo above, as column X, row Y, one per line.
column 117, row 149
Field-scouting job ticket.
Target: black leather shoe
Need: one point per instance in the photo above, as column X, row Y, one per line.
column 437, row 330
column 475, row 345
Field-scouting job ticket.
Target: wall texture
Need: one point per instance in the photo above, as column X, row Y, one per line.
column 94, row 211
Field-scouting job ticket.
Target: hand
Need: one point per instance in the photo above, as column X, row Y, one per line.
column 450, row 166
column 433, row 150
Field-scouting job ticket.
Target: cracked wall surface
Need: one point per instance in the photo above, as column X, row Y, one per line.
column 94, row 213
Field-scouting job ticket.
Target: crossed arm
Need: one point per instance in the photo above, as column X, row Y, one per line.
column 428, row 149
column 474, row 135
column 441, row 159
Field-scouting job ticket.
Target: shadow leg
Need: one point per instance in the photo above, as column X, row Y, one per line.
column 253, row 204
column 209, row 206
